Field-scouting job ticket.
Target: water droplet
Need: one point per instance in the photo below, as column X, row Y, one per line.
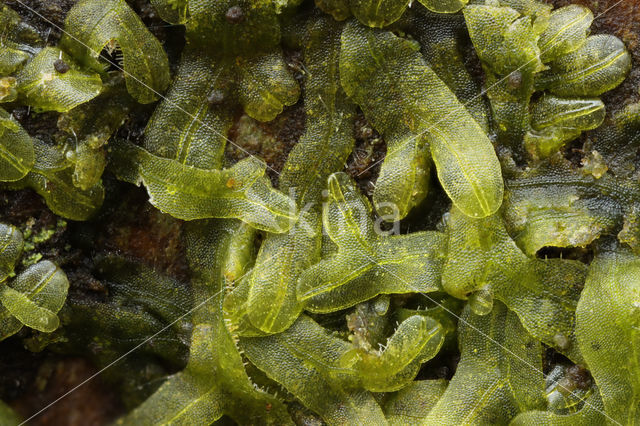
column 561, row 341
column 481, row 302
column 381, row 305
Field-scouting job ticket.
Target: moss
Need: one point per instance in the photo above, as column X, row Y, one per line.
column 275, row 290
